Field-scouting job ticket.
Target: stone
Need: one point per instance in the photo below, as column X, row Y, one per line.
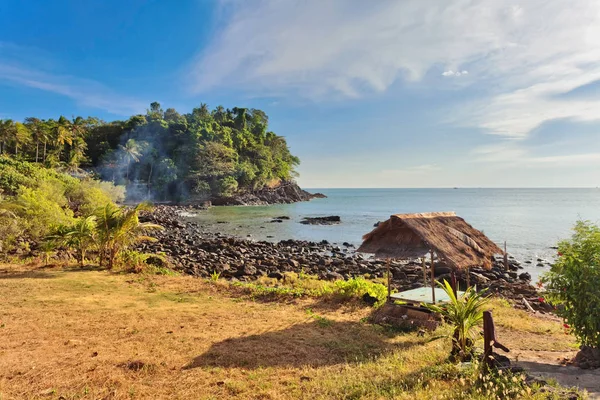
column 525, row 276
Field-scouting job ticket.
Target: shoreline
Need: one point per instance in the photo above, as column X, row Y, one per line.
column 198, row 252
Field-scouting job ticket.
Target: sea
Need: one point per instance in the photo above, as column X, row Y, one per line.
column 530, row 221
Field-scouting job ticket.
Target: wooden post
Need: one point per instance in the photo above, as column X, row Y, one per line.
column 424, row 271
column 432, row 280
column 505, row 257
column 454, row 282
column 388, row 280
column 489, row 339
column 468, row 277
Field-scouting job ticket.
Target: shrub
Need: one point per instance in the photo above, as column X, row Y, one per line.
column 88, row 195
column 42, row 208
column 573, row 283
column 227, row 186
column 81, row 236
column 358, row 287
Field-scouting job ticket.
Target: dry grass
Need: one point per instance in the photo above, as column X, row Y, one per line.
column 96, row 335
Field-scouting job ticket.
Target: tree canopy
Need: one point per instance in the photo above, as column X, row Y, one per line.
column 162, row 154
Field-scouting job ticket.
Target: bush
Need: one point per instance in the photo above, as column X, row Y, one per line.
column 42, row 208
column 227, row 186
column 573, row 283
column 358, row 287
column 88, row 195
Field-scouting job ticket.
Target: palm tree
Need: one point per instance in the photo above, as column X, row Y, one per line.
column 21, row 136
column 81, row 236
column 62, row 136
column 120, row 227
column 5, row 133
column 465, row 313
column 36, row 127
column 132, row 152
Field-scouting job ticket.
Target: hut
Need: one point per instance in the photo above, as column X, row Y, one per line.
column 409, row 236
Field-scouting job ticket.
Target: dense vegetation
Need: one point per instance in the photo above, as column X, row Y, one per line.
column 54, row 210
column 162, row 154
column 573, row 283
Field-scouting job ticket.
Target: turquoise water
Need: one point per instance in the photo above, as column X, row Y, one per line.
column 529, row 220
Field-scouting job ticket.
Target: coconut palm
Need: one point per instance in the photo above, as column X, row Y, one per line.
column 132, row 152
column 465, row 314
column 120, row 227
column 81, row 236
column 6, row 128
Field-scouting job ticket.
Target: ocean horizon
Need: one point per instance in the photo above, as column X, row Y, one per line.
column 530, row 220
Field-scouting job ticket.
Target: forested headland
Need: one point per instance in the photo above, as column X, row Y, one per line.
column 160, row 155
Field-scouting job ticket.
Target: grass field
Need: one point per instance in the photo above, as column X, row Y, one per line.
column 75, row 334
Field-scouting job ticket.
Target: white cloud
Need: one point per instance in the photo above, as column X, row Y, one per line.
column 454, row 73
column 84, row 91
column 521, row 54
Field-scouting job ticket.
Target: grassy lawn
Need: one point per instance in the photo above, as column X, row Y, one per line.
column 73, row 334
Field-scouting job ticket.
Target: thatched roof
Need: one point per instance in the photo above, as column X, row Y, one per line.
column 455, row 242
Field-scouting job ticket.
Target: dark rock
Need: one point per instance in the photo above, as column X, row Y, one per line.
column 333, row 276
column 331, row 220
column 276, row 275
column 525, row 276
column 370, row 300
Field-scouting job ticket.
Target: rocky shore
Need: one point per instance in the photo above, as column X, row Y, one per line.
column 200, row 253
column 287, row 192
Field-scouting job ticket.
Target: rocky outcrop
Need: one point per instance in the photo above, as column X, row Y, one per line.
column 331, row 220
column 285, row 193
column 200, row 253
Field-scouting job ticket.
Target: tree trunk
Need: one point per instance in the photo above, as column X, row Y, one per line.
column 45, row 142
column 16, row 149
column 149, row 178
column 37, row 150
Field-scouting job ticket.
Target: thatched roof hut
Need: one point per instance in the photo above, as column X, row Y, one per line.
column 455, row 242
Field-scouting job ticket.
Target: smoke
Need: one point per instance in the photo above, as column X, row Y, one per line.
column 142, row 163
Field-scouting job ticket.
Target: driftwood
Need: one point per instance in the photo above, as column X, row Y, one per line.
column 528, row 305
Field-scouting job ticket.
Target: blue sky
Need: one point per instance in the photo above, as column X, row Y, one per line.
column 369, row 94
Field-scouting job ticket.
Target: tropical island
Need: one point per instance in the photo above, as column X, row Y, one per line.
column 106, row 296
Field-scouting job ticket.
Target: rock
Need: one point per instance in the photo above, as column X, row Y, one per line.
column 285, row 193
column 370, row 300
column 283, row 217
column 333, row 276
column 525, row 276
column 276, row 275
column 330, row 220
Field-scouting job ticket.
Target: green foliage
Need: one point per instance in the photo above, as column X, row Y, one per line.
column 119, row 228
column 227, row 186
column 301, row 285
column 358, row 287
column 81, row 236
column 10, row 228
column 169, row 154
column 43, row 208
column 464, row 313
column 573, row 283
column 215, row 276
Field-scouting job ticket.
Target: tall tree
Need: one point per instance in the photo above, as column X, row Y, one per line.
column 132, row 152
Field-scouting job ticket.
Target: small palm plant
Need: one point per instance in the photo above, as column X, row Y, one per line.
column 80, row 236
column 119, row 227
column 465, row 314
